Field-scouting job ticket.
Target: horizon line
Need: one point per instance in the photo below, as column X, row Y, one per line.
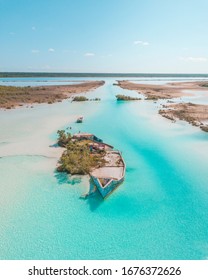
column 97, row 73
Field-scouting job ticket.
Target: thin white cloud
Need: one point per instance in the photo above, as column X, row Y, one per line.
column 33, row 28
column 35, row 51
column 51, row 50
column 194, row 59
column 11, row 33
column 89, row 54
column 142, row 43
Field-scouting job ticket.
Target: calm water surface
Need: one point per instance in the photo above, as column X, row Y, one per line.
column 159, row 212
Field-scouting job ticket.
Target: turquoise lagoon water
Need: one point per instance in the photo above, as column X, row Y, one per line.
column 159, row 212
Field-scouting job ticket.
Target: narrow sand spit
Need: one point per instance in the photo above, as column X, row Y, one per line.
column 195, row 114
column 11, row 97
column 167, row 91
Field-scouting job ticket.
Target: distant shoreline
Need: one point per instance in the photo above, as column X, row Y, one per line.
column 97, row 75
column 12, row 97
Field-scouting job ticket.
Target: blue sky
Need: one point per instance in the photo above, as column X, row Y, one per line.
column 136, row 36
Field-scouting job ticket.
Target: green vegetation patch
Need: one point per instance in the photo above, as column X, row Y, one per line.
column 63, row 138
column 78, row 158
column 152, row 97
column 80, row 98
column 204, row 128
column 121, row 97
column 95, row 99
column 83, row 98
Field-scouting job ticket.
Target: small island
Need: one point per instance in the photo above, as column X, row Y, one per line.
column 121, row 97
column 86, row 154
column 195, row 114
column 80, row 156
column 80, row 98
column 84, row 98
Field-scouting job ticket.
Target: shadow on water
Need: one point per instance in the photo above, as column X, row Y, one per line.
column 55, row 145
column 64, row 178
column 202, row 136
column 94, row 199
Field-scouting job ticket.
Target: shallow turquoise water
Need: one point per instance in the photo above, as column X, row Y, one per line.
column 159, row 212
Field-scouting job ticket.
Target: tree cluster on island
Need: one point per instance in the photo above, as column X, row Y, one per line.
column 84, row 98
column 121, row 97
column 78, row 159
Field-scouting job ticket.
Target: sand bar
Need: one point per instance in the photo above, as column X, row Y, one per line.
column 195, row 114
column 166, row 91
column 11, row 97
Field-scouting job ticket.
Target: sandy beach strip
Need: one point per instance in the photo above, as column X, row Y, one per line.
column 166, row 91
column 11, row 97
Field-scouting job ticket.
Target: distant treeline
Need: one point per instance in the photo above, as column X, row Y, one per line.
column 97, row 75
